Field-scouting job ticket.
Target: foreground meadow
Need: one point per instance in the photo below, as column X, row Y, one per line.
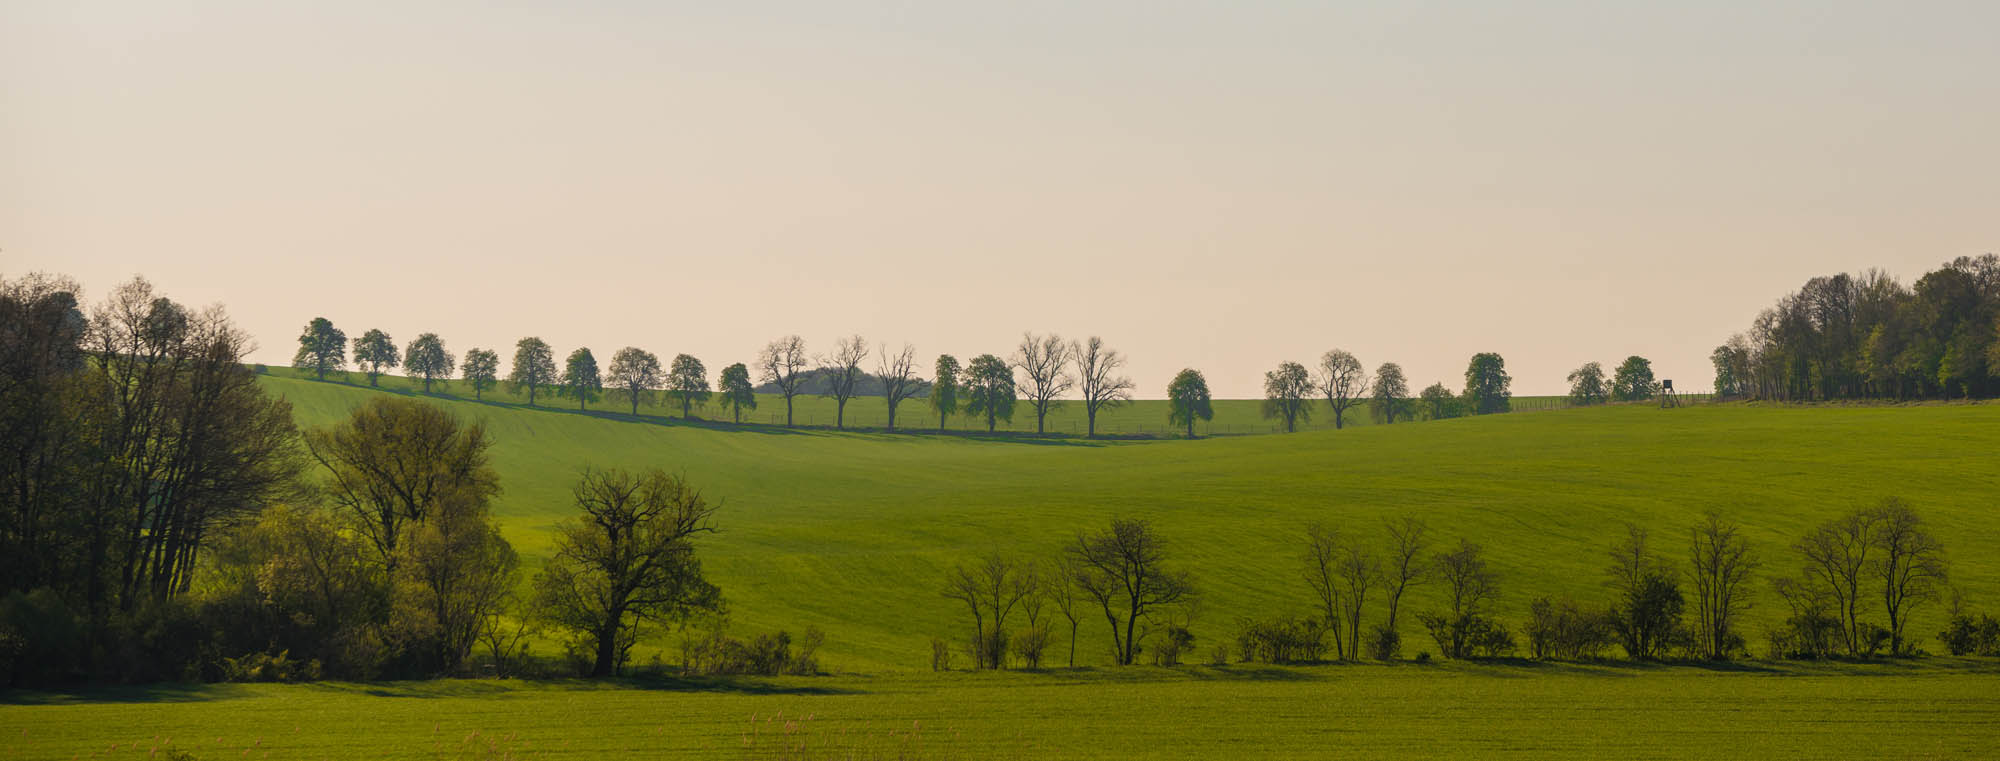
column 852, row 532
column 1941, row 708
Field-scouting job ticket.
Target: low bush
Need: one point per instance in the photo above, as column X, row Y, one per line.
column 1969, row 635
column 1282, row 640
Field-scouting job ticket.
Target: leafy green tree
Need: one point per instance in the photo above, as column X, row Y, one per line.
column 426, row 358
column 322, row 347
column 482, row 370
column 534, row 367
column 1285, row 393
column 373, row 351
column 737, row 391
column 395, row 462
column 989, row 390
column 628, row 558
column 1187, row 400
column 1439, row 403
column 1633, row 381
column 580, row 377
column 1487, row 384
column 1343, row 382
column 1390, row 397
column 1586, row 385
column 687, row 383
column 633, row 375
column 944, row 388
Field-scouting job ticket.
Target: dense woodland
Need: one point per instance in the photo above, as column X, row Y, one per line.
column 1869, row 336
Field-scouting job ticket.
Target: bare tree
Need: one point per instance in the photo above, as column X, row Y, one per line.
column 898, row 372
column 1910, row 563
column 1722, row 564
column 1061, row 590
column 1122, row 569
column 1836, row 554
column 1407, row 543
column 1322, row 575
column 1343, row 381
column 1469, row 586
column 1096, row 368
column 782, row 363
column 990, row 589
column 842, row 370
column 1043, row 360
column 1358, row 571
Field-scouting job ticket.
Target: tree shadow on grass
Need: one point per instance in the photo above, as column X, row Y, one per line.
column 145, row 693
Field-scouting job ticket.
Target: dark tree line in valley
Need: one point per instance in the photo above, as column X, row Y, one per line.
column 1851, row 586
column 1869, row 336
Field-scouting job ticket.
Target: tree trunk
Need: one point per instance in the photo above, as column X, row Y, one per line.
column 788, row 411
column 607, row 653
column 1090, row 427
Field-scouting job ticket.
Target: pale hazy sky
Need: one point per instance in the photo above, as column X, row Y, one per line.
column 1218, row 185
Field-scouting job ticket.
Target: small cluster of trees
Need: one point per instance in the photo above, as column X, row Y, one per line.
column 1869, row 336
column 1632, row 381
column 1291, row 391
column 1120, row 572
column 161, row 517
column 1882, row 558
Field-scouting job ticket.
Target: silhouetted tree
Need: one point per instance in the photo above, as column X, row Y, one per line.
column 1187, row 400
column 1390, row 395
column 322, row 347
column 1285, row 392
column 634, row 374
column 1836, row 562
column 898, row 373
column 988, row 389
column 945, row 388
column 1633, row 380
column 737, row 392
column 1722, row 564
column 783, row 364
column 1487, row 384
column 1909, row 562
column 1469, row 587
column 629, row 557
column 990, row 589
column 687, row 383
column 373, row 351
column 1343, row 382
column 426, row 358
column 1408, row 538
column 1044, row 360
column 1096, row 370
column 1586, row 385
column 1321, row 570
column 580, row 377
column 482, row 370
column 1123, row 570
column 842, row 370
column 1647, row 615
column 534, row 367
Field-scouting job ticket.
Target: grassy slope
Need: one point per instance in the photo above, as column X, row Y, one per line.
column 851, row 531
column 1935, row 709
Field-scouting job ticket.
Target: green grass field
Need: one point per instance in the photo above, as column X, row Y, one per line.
column 1943, row 708
column 851, row 532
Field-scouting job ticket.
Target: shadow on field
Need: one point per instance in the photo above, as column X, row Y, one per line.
column 149, row 693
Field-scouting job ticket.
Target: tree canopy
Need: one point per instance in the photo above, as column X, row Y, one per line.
column 1188, row 400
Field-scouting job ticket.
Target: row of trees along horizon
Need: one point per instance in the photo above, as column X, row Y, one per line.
column 1042, row 371
column 165, row 519
column 1870, row 567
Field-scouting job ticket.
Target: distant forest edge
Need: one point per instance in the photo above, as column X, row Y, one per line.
column 1868, row 336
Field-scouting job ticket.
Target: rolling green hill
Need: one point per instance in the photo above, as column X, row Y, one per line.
column 851, row 532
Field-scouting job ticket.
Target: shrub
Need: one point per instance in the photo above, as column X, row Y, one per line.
column 940, row 654
column 1469, row 636
column 714, row 653
column 1176, row 640
column 1967, row 635
column 1282, row 640
column 1030, row 644
column 263, row 667
column 1384, row 644
column 1809, row 634
column 40, row 640
column 1564, row 630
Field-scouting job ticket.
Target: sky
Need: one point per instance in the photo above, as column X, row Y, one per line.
column 1216, row 185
